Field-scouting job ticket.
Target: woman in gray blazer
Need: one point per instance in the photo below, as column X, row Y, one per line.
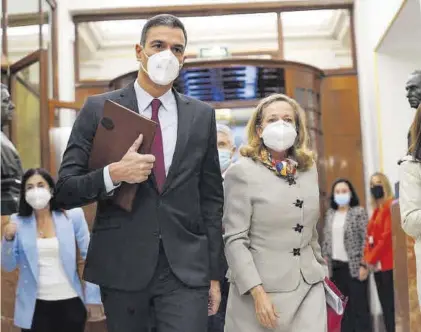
column 270, row 215
column 343, row 247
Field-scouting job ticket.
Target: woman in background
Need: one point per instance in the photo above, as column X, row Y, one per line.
column 378, row 250
column 271, row 210
column 343, row 246
column 42, row 241
column 410, row 192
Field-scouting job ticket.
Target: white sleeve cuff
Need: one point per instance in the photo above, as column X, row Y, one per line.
column 109, row 185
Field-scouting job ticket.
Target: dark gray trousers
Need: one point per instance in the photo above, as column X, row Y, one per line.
column 167, row 304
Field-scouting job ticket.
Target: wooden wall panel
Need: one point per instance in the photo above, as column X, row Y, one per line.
column 85, row 90
column 342, row 132
column 407, row 308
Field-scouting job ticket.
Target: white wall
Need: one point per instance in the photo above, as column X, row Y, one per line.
column 369, row 28
column 396, row 114
column 66, row 60
column 321, row 53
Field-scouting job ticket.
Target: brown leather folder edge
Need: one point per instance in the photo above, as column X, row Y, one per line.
column 119, row 127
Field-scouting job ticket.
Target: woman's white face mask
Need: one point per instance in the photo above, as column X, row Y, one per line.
column 279, row 136
column 163, row 67
column 38, row 198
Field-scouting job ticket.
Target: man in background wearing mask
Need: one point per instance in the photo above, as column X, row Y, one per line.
column 162, row 260
column 226, row 150
column 226, row 147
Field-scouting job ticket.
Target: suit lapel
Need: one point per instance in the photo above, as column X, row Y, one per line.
column 128, row 98
column 28, row 239
column 186, row 114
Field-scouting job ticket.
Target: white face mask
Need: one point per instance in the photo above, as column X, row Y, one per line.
column 38, row 198
column 163, row 67
column 279, row 136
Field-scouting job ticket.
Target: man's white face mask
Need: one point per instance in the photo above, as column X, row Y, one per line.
column 163, row 67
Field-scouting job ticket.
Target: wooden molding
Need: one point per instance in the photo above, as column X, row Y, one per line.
column 280, row 53
column 54, row 52
column 215, row 63
column 207, row 9
column 19, row 20
column 340, row 72
column 4, row 25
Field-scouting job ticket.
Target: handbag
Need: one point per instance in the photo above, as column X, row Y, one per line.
column 335, row 304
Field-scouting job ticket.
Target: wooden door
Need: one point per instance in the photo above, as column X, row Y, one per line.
column 343, row 156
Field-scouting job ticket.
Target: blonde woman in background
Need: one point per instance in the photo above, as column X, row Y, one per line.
column 378, row 250
column 270, row 215
column 410, row 192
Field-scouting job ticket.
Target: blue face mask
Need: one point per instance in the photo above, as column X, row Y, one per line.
column 342, row 199
column 224, row 159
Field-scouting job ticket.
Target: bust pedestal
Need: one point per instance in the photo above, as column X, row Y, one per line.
column 407, row 309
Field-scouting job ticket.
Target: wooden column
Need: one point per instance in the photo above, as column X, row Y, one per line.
column 407, row 309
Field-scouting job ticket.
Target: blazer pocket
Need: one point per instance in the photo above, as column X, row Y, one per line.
column 102, row 224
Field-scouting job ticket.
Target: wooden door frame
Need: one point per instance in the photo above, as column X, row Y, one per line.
column 40, row 56
column 108, row 14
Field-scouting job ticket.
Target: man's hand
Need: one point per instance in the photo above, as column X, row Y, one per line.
column 133, row 167
column 95, row 312
column 214, row 297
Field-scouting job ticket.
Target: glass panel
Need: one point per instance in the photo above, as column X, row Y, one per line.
column 23, row 28
column 321, row 38
column 27, row 115
column 107, row 48
column 231, row 83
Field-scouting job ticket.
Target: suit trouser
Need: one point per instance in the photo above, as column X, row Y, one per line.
column 168, row 303
column 385, row 289
column 357, row 317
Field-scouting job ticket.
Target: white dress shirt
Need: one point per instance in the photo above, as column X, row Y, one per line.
column 168, row 119
column 338, row 232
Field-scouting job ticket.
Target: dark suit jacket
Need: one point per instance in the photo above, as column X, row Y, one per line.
column 187, row 214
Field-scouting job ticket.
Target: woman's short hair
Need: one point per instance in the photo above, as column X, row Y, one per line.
column 299, row 151
column 25, row 209
column 415, row 141
column 354, row 197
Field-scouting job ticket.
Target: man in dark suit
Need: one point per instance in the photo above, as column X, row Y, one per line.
column 163, row 258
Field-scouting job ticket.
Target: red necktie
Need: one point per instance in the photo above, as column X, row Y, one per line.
column 157, row 147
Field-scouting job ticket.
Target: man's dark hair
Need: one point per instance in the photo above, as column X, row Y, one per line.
column 354, row 197
column 166, row 20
